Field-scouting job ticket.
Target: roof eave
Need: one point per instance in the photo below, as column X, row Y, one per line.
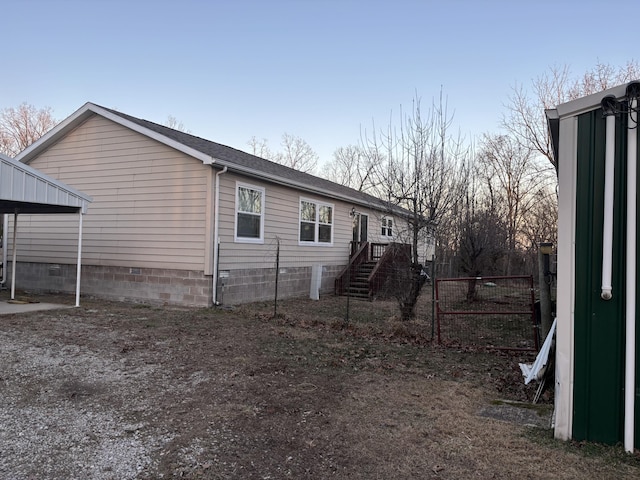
column 553, row 124
column 89, row 109
column 381, row 206
column 590, row 102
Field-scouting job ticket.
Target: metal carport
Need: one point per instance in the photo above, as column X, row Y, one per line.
column 24, row 190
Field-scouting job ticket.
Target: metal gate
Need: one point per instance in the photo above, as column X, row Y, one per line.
column 488, row 312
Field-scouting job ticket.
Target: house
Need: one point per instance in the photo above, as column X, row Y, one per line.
column 178, row 219
column 597, row 394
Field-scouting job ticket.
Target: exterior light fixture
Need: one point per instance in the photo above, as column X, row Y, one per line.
column 630, row 104
column 546, row 248
column 633, row 100
column 610, row 106
column 632, row 91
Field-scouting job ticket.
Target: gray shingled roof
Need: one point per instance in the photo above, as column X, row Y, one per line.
column 246, row 163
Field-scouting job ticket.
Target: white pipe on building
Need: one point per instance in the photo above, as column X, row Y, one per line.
column 607, row 226
column 216, row 241
column 630, row 327
column 78, row 268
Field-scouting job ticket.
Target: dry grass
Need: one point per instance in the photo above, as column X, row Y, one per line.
column 212, row 394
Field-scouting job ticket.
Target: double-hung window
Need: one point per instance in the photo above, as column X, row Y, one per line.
column 316, row 222
column 387, row 227
column 249, row 213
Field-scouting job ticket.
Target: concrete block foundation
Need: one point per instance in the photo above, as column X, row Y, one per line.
column 172, row 287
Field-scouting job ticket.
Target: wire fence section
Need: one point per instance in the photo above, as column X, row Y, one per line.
column 489, row 312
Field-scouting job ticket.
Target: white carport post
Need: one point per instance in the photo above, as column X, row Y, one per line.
column 15, row 256
column 80, row 215
column 5, row 249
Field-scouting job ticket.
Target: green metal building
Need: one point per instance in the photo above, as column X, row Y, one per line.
column 597, row 382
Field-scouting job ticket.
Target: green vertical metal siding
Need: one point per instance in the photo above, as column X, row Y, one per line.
column 599, row 324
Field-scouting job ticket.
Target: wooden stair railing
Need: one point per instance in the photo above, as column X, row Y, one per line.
column 394, row 254
column 348, row 273
column 368, row 268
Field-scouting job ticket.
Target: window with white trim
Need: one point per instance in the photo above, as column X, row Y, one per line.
column 316, row 222
column 387, row 227
column 249, row 213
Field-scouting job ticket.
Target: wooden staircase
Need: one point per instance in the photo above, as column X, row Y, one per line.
column 368, row 268
column 359, row 286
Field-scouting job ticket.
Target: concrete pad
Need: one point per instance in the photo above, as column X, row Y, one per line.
column 535, row 415
column 8, row 308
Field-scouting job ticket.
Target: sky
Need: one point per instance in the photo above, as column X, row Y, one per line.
column 322, row 70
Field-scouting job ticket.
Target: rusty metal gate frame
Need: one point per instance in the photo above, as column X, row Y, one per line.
column 441, row 313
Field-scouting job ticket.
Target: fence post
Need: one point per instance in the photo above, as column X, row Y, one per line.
column 348, row 292
column 433, row 295
column 544, row 284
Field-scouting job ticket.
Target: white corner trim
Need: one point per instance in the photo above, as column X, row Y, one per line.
column 565, row 342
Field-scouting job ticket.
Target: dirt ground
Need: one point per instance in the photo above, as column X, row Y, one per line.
column 123, row 391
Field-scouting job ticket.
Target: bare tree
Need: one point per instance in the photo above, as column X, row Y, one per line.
column 525, row 118
column 481, row 242
column 541, row 222
column 423, row 170
column 512, row 180
column 175, row 124
column 352, row 167
column 296, row 153
column 21, row 126
column 259, row 148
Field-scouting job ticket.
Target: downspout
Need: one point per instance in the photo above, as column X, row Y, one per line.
column 633, row 91
column 608, row 106
column 216, row 239
column 15, row 256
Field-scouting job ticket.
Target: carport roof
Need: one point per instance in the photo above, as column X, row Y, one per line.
column 24, row 189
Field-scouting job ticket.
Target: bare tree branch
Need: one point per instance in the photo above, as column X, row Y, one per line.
column 525, row 118
column 21, row 126
column 353, row 168
column 296, row 152
column 259, row 148
column 174, row 123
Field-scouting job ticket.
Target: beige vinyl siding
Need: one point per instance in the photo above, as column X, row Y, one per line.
column 149, row 202
column 281, row 221
column 402, row 233
column 375, row 227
